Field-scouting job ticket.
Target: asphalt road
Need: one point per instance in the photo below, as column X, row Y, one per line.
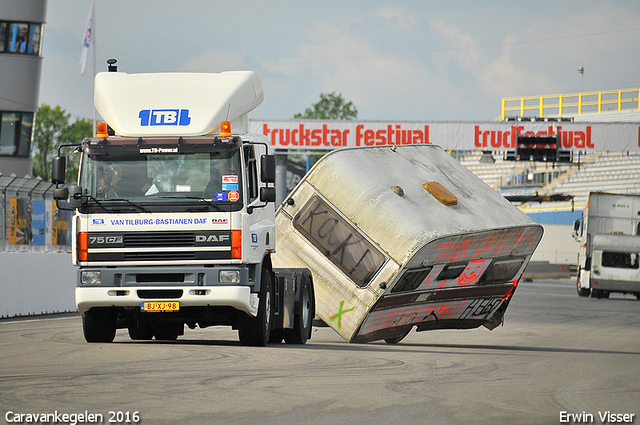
column 557, row 354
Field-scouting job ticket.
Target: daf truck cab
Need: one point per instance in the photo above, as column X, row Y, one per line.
column 174, row 214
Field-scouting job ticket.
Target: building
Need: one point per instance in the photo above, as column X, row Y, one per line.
column 21, row 32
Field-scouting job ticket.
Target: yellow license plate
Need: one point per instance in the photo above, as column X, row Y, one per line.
column 160, row 306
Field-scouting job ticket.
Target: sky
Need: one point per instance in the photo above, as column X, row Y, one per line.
column 450, row 60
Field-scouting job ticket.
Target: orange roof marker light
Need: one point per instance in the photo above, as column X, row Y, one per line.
column 102, row 130
column 225, row 129
column 441, row 193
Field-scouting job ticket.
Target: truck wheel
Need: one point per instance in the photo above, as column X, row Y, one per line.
column 255, row 331
column 167, row 331
column 303, row 319
column 140, row 331
column 99, row 325
column 276, row 336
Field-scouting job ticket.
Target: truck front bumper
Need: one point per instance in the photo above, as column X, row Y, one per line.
column 238, row 297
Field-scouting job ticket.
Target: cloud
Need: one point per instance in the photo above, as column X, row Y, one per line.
column 215, row 61
column 497, row 76
column 380, row 84
column 399, row 16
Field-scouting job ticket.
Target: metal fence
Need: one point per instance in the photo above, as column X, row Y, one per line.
column 557, row 105
column 29, row 218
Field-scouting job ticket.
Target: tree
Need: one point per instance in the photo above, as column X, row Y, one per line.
column 330, row 107
column 52, row 130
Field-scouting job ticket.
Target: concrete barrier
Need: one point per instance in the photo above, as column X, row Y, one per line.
column 36, row 283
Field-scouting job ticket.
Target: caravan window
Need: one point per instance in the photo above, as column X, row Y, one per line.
column 336, row 238
column 622, row 260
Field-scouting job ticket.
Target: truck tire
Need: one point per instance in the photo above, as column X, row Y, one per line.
column 99, row 325
column 167, row 331
column 255, row 331
column 303, row 318
column 140, row 331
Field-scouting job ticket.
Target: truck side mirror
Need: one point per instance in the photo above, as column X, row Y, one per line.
column 75, row 196
column 58, row 168
column 61, row 194
column 576, row 225
column 268, row 194
column 268, row 169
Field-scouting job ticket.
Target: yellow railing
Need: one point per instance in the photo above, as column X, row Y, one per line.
column 557, row 105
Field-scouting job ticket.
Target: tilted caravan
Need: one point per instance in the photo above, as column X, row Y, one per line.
column 403, row 237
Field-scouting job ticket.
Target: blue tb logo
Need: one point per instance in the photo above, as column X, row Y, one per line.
column 164, row 117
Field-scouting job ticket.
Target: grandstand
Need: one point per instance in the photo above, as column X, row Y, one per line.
column 617, row 172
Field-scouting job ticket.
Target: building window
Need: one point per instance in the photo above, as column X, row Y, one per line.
column 15, row 133
column 20, row 37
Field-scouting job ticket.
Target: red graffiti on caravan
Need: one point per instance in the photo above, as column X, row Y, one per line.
column 467, row 249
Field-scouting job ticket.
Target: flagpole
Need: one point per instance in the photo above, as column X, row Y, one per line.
column 93, row 23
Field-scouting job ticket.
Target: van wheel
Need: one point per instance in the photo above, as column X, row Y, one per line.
column 303, row 319
column 583, row 292
column 99, row 325
column 255, row 331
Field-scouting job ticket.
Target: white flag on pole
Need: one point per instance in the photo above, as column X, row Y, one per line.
column 86, row 41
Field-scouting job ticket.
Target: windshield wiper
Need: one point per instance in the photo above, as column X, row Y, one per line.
column 86, row 195
column 199, row 198
column 123, row 200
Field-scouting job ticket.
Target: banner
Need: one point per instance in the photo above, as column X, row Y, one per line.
column 20, row 221
column 38, row 222
column 465, row 136
column 60, row 226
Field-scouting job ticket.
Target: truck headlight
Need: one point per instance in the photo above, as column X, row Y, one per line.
column 229, row 276
column 90, row 277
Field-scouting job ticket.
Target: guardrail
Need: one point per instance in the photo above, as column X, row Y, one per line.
column 558, row 105
column 29, row 218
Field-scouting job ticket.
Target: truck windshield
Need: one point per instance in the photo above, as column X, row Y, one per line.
column 211, row 178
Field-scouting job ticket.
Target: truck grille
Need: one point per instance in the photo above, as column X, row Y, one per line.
column 159, row 239
column 199, row 245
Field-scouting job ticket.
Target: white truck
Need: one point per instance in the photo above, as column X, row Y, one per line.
column 381, row 240
column 609, row 237
column 174, row 214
